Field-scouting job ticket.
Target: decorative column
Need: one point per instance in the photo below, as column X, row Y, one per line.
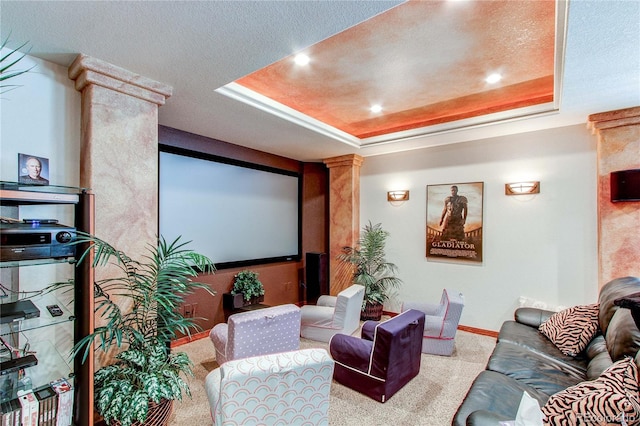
column 344, row 213
column 618, row 223
column 119, row 161
column 119, row 150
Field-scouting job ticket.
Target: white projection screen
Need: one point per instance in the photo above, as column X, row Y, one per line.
column 235, row 213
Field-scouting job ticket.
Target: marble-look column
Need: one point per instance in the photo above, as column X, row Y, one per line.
column 344, row 213
column 119, row 157
column 618, row 223
column 119, row 150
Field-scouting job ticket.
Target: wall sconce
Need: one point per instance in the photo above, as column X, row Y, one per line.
column 522, row 188
column 398, row 196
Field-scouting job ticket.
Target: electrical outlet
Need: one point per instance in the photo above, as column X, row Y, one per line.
column 193, row 309
column 188, row 313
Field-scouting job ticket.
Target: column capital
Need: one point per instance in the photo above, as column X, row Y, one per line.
column 86, row 70
column 344, row 160
column 611, row 119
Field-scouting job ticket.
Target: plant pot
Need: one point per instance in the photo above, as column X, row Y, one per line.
column 158, row 414
column 235, row 301
column 372, row 311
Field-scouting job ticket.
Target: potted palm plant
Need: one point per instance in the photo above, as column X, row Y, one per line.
column 371, row 269
column 247, row 289
column 139, row 387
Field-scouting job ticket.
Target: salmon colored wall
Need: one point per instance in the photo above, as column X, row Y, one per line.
column 280, row 281
column 315, row 207
column 315, row 211
column 344, row 198
column 191, row 141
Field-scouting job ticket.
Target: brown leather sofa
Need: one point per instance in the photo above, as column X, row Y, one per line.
column 525, row 360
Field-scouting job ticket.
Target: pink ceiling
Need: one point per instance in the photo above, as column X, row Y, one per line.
column 425, row 62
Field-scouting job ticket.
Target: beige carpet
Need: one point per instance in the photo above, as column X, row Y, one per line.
column 430, row 399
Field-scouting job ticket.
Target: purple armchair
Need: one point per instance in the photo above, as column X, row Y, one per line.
column 385, row 359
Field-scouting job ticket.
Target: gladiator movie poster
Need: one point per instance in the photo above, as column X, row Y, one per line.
column 454, row 222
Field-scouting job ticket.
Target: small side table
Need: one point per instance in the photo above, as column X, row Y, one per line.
column 253, row 307
column 229, row 309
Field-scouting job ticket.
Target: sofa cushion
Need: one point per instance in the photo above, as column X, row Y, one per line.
column 623, row 337
column 532, row 317
column 572, row 329
column 611, row 291
column 530, row 338
column 545, row 374
column 599, row 358
column 631, row 302
column 604, row 400
column 495, row 393
column 617, row 323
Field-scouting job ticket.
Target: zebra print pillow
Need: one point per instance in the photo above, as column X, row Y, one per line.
column 571, row 330
column 612, row 398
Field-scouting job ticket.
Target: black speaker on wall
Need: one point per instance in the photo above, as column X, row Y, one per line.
column 625, row 185
column 316, row 276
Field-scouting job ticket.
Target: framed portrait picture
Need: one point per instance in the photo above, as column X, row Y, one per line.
column 33, row 170
column 454, row 221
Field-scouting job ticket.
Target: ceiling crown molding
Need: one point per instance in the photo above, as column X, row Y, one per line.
column 256, row 100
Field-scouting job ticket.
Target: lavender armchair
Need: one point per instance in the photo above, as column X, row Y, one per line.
column 441, row 322
column 259, row 332
column 385, row 359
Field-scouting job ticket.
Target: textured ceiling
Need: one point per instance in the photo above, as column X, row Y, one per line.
column 199, row 47
column 426, row 63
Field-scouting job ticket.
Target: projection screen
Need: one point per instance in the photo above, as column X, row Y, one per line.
column 235, row 213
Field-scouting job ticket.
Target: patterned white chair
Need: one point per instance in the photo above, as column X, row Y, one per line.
column 290, row 388
column 441, row 322
column 332, row 314
column 259, row 332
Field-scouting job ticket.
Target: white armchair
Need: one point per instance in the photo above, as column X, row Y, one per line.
column 288, row 388
column 441, row 322
column 332, row 314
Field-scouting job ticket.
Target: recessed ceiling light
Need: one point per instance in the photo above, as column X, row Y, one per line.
column 493, row 78
column 376, row 108
column 302, row 59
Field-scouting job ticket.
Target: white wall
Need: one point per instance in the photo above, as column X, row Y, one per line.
column 41, row 117
column 542, row 247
